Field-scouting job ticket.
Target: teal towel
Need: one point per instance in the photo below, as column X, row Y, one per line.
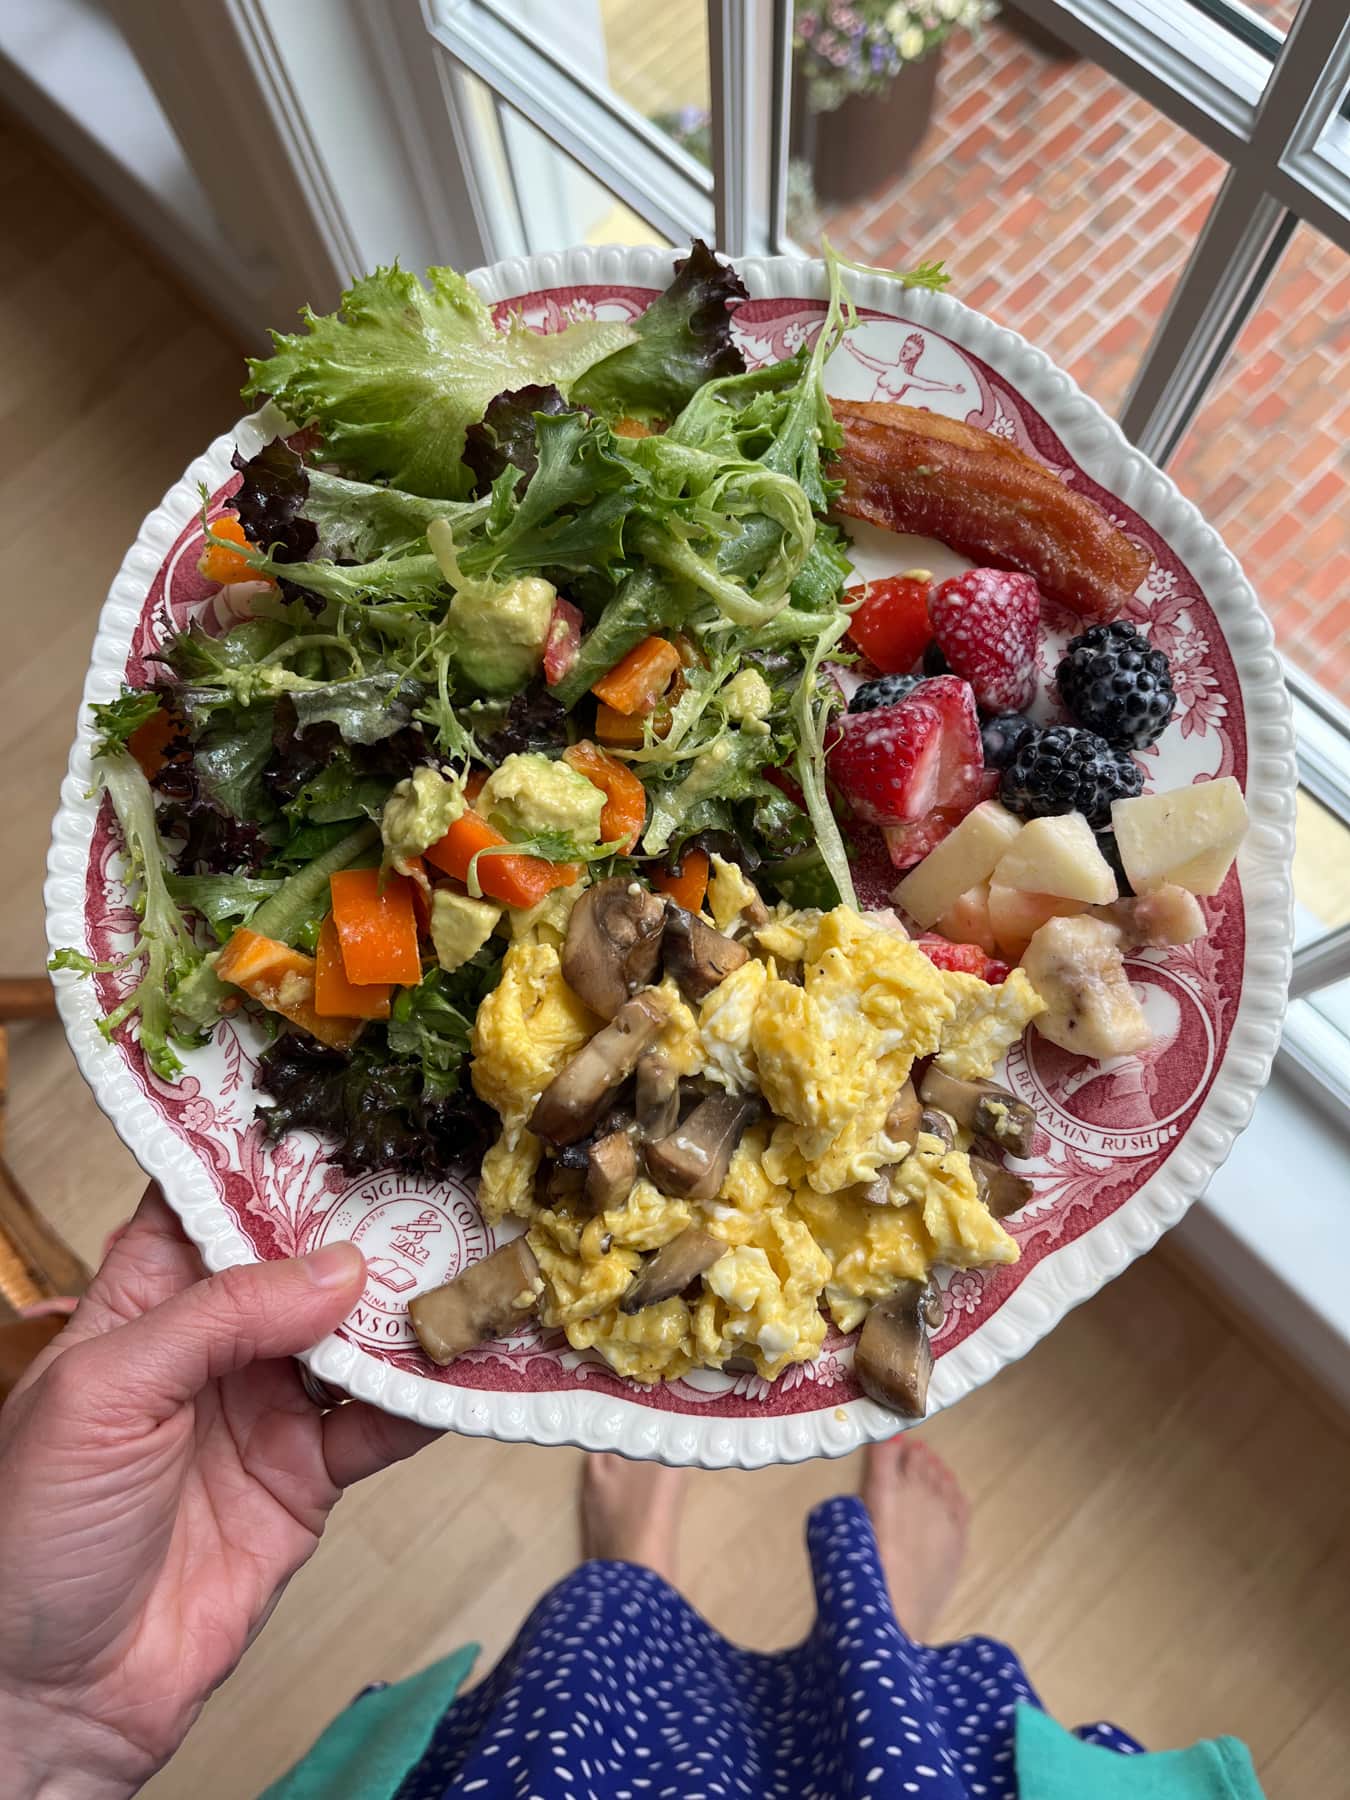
column 369, row 1748
column 1052, row 1764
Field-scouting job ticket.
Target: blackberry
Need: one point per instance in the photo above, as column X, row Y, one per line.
column 1001, row 736
column 935, row 661
column 1063, row 769
column 1110, row 849
column 884, row 691
column 1117, row 684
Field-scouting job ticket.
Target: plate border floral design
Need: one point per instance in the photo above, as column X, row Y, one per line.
column 596, row 1421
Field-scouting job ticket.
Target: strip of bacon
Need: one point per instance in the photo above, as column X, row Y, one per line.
column 915, row 471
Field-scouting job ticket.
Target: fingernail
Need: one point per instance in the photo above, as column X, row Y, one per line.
column 333, row 1266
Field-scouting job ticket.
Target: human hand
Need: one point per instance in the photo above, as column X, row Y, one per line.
column 162, row 1477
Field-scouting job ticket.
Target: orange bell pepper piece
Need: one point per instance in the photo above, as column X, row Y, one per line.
column 282, row 980
column 627, row 733
column 220, row 564
column 688, row 884
column 638, row 680
column 334, row 996
column 376, row 927
column 149, row 742
column 515, row 880
column 625, row 810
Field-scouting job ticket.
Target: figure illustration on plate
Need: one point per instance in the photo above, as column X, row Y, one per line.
column 901, row 377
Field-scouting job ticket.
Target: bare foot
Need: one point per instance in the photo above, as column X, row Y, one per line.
column 630, row 1511
column 920, row 1517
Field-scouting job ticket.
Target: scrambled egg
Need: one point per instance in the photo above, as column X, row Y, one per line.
column 587, row 1264
column 819, row 1207
column 656, row 1344
column 939, row 1181
column 679, row 1038
column 526, row 1030
column 582, row 1276
column 729, row 894
column 785, row 938
column 724, row 1023
column 831, row 1055
column 506, row 1180
column 988, row 1021
column 762, row 1299
column 871, row 1249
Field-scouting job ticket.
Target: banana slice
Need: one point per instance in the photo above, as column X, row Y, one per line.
column 1076, row 967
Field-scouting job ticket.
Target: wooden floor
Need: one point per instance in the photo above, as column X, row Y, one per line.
column 1161, row 1520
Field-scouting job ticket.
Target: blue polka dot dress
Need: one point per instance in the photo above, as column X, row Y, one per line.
column 616, row 1689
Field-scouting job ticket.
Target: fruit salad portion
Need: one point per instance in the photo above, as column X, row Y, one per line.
column 1027, row 843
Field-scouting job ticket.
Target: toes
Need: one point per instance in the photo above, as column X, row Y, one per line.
column 922, row 1463
column 883, row 1461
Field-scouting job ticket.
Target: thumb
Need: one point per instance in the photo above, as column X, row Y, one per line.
column 244, row 1315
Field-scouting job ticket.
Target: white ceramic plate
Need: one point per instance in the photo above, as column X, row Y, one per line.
column 1124, row 1148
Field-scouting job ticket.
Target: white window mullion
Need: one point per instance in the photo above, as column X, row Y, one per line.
column 750, row 67
column 1231, row 263
column 1313, row 174
column 1319, row 964
column 1248, row 226
column 607, row 139
column 1322, row 725
column 1190, row 67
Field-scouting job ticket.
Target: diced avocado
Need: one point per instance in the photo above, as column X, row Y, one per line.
column 532, row 796
column 419, row 812
column 460, row 926
column 749, row 696
column 500, row 633
column 705, row 777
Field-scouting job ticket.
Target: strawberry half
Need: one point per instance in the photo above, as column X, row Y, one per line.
column 909, row 843
column 985, row 622
column 964, row 959
column 898, row 764
column 891, row 625
column 887, row 762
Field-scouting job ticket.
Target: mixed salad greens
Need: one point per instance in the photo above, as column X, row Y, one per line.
column 474, row 527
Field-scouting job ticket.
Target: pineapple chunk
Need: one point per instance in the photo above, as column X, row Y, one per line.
column 1187, row 837
column 1058, row 856
column 964, row 858
column 1015, row 917
column 1076, row 967
column 967, row 921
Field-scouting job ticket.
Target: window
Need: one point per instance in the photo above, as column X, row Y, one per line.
column 1266, row 458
